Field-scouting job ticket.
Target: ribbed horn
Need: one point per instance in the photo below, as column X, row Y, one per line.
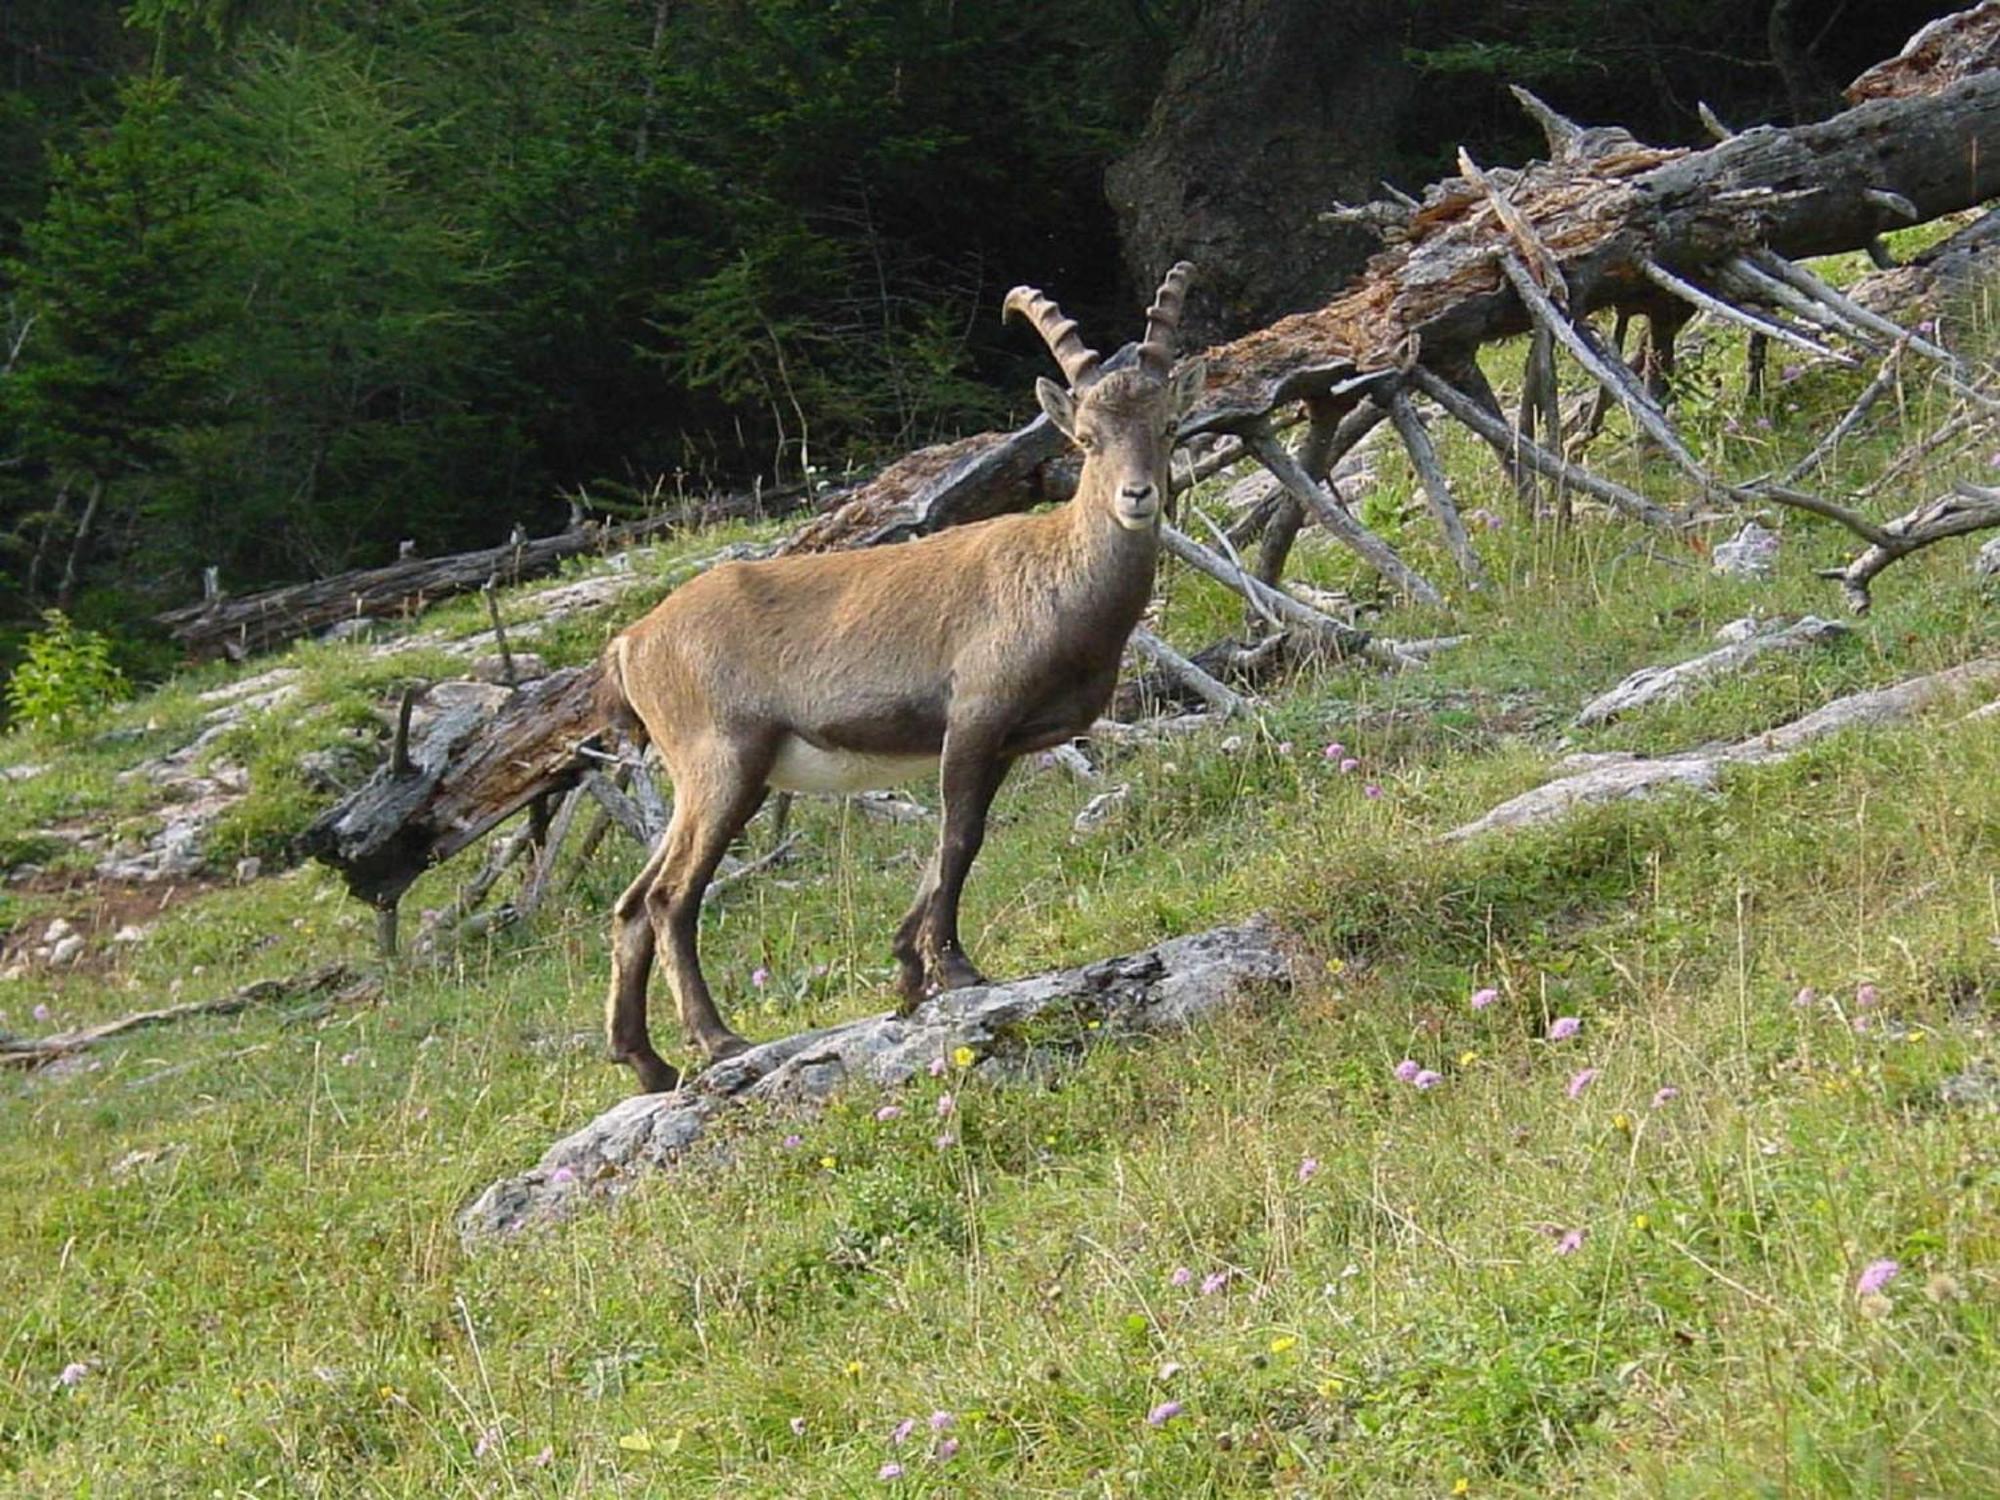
column 1078, row 360
column 1163, row 319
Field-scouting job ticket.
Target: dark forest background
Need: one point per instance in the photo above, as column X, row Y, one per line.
column 283, row 282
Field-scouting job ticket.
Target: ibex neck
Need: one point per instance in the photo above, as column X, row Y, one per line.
column 1110, row 563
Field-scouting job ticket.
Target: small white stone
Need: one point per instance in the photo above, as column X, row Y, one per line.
column 129, row 934
column 1751, row 553
column 67, row 951
column 1100, row 808
column 57, row 930
column 248, row 869
column 1739, row 630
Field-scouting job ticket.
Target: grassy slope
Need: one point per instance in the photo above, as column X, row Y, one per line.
column 271, row 1299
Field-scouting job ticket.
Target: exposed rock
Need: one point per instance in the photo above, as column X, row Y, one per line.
column 1159, row 989
column 1986, row 562
column 360, row 627
column 1616, row 779
column 889, row 807
column 1978, row 1087
column 452, row 700
column 1740, row 630
column 129, row 934
column 487, row 697
column 258, row 686
column 1100, row 809
column 1751, row 553
column 57, row 930
column 1747, row 640
column 175, row 851
column 21, row 773
column 66, row 952
column 248, row 869
column 339, row 767
column 528, row 666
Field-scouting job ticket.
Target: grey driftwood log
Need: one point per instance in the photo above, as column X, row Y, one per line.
column 1155, row 990
column 242, row 626
column 1741, row 647
column 1613, row 777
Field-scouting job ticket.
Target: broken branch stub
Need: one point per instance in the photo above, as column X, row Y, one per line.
column 469, row 773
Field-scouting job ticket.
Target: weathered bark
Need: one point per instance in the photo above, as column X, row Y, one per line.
column 1966, row 509
column 1270, row 112
column 471, row 772
column 1948, row 49
column 241, row 627
column 1437, row 291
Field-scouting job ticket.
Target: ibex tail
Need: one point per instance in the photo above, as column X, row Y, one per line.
column 614, row 706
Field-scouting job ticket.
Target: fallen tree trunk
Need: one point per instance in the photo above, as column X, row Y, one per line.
column 1604, row 210
column 1160, row 989
column 241, row 627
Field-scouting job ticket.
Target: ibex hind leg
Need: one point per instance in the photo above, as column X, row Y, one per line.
column 632, row 944
column 710, row 809
column 911, row 982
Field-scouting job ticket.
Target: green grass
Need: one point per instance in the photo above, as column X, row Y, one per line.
column 243, row 1227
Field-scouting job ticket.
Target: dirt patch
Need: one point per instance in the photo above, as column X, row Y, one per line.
column 96, row 910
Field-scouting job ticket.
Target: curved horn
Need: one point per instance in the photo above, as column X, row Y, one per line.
column 1078, row 360
column 1163, row 318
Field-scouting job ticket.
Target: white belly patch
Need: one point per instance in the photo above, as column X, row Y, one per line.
column 804, row 767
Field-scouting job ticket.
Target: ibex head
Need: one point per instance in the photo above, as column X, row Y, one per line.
column 1124, row 420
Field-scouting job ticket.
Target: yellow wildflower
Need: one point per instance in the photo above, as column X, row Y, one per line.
column 963, row 1056
column 1283, row 1342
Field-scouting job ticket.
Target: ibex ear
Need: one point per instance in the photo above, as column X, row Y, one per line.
column 1058, row 403
column 1189, row 381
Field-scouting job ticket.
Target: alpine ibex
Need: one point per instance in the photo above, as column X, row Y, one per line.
column 854, row 670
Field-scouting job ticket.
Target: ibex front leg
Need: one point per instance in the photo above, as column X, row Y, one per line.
column 928, row 949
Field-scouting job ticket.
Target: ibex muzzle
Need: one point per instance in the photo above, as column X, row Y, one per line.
column 964, row 651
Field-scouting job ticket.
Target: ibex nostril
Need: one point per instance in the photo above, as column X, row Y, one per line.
column 1138, row 492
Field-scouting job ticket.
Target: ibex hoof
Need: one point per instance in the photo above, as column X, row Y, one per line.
column 729, row 1044
column 957, row 972
column 656, row 1076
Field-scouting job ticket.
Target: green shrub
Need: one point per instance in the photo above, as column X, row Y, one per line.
column 65, row 680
